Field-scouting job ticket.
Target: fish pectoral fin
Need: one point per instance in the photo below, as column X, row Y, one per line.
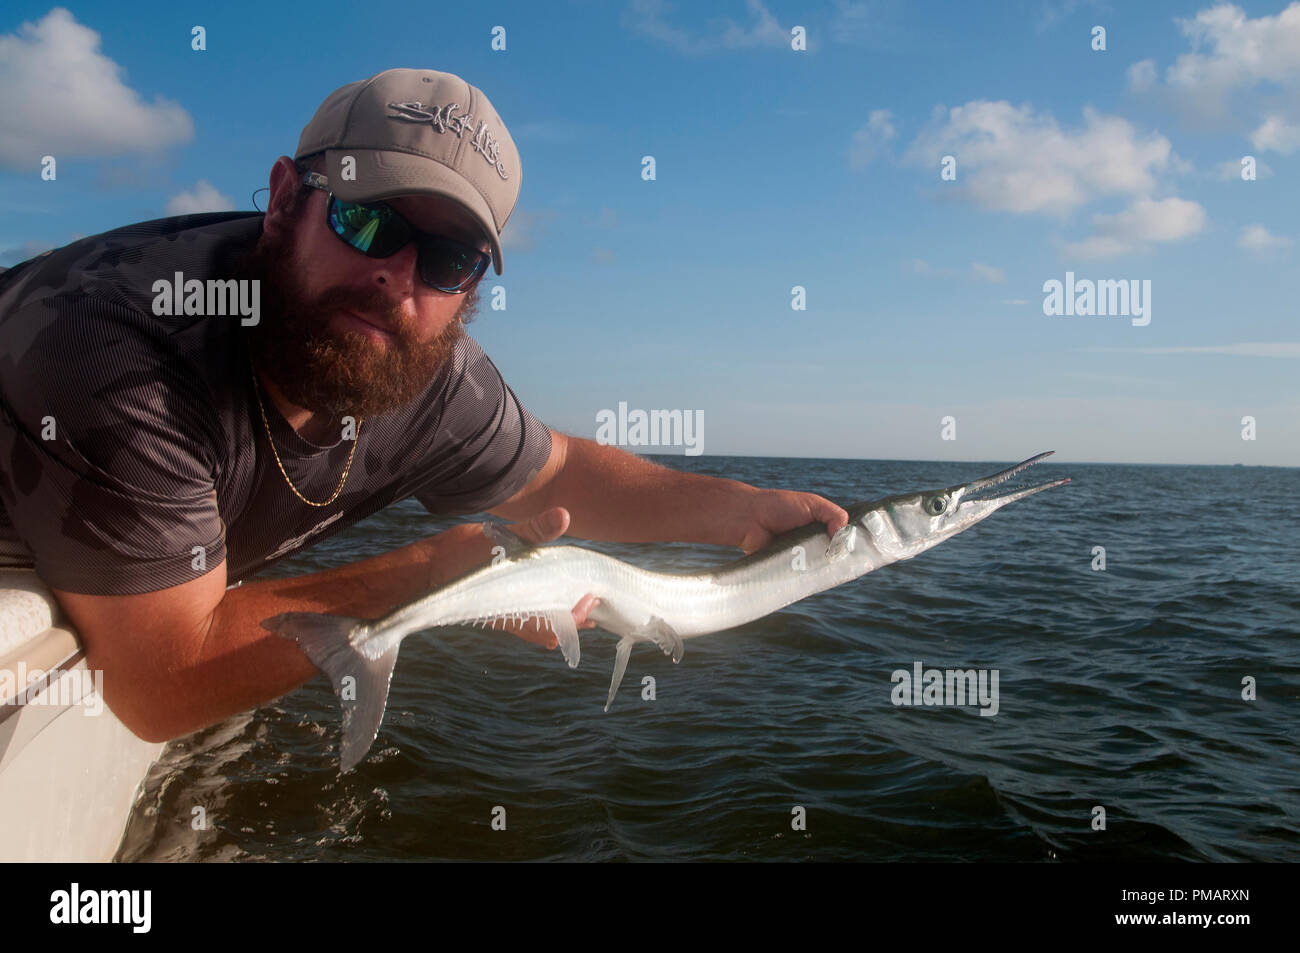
column 661, row 634
column 360, row 683
column 842, row 543
column 621, row 652
column 566, row 633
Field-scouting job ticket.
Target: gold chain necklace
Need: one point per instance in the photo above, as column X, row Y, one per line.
column 339, row 489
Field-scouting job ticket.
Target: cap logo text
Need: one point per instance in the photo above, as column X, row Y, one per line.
column 444, row 118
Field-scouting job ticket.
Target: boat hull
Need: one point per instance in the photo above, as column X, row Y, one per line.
column 70, row 771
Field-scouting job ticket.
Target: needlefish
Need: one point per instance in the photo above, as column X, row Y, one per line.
column 526, row 582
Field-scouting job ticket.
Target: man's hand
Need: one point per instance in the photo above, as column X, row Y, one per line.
column 768, row 513
column 546, row 526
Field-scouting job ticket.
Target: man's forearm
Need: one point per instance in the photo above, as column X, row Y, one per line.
column 614, row 495
column 235, row 664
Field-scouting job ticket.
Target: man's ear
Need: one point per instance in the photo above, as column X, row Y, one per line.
column 284, row 185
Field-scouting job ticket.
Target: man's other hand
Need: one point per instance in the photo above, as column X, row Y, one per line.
column 546, row 526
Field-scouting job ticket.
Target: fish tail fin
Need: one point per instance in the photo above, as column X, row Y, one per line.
column 621, row 653
column 360, row 683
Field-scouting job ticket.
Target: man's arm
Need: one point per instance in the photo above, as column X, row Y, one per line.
column 614, row 495
column 182, row 658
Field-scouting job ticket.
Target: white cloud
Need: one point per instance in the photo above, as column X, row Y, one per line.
column 765, row 31
column 1277, row 135
column 522, row 230
column 1241, row 51
column 60, row 96
column 1142, row 75
column 1098, row 246
column 871, row 140
column 202, row 198
column 853, row 22
column 977, row 271
column 919, row 266
column 1144, row 222
column 988, row 273
column 1230, row 52
column 881, row 122
column 869, row 24
column 1259, row 238
column 1150, row 220
column 1015, row 160
column 650, row 17
column 1052, row 13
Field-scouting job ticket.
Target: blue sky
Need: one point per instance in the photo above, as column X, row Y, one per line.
column 775, row 168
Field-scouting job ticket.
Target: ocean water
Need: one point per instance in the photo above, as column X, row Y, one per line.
column 1119, row 690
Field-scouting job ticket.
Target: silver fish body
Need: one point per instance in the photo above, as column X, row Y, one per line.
column 638, row 605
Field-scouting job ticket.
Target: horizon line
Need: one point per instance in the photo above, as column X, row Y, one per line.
column 1096, row 463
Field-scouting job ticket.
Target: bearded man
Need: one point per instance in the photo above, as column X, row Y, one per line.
column 153, row 458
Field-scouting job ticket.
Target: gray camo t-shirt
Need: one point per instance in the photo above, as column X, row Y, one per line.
column 132, row 450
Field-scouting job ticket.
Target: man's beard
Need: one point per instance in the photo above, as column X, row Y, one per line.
column 325, row 370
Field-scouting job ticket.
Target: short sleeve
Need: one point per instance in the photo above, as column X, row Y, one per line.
column 497, row 445
column 106, row 449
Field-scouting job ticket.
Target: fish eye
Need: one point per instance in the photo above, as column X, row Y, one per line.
column 935, row 505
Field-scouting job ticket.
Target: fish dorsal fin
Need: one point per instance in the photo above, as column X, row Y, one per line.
column 843, row 542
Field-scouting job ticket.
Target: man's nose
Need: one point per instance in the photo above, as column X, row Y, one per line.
column 397, row 272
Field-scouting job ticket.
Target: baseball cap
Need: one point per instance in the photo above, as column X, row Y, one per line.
column 418, row 132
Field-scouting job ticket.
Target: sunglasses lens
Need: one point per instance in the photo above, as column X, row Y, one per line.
column 378, row 231
column 375, row 230
column 450, row 266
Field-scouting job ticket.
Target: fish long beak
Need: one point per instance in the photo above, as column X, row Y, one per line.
column 966, row 490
